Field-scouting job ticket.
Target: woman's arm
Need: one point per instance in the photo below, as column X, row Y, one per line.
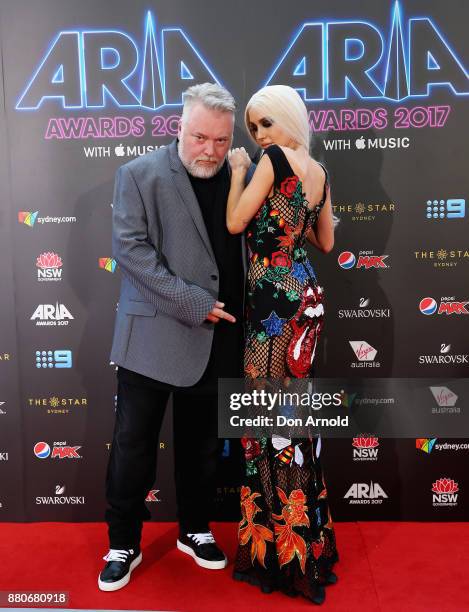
column 243, row 203
column 322, row 234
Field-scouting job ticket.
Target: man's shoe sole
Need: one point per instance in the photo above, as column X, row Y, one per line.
column 118, row 584
column 202, row 562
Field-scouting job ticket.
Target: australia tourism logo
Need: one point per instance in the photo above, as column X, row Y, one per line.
column 447, row 306
column 365, row 260
column 363, row 493
column 52, row 315
column 445, row 492
column 365, row 448
column 365, row 354
column 49, row 266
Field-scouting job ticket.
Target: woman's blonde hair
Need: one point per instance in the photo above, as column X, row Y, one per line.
column 283, row 105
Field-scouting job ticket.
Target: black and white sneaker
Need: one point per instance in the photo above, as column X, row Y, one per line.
column 119, row 566
column 204, row 550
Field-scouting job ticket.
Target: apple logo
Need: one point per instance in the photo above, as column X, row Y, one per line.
column 360, row 143
column 119, row 151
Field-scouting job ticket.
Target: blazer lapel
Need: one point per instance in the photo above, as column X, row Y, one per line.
column 184, row 188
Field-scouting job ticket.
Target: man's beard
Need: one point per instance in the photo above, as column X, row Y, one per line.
column 194, row 168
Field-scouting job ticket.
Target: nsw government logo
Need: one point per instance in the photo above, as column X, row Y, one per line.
column 445, row 492
column 49, row 266
column 365, row 448
column 50, row 315
column 365, row 355
column 363, row 493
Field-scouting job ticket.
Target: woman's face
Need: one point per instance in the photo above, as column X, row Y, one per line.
column 265, row 131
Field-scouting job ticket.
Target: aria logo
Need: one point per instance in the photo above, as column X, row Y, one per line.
column 49, row 265
column 48, row 314
column 365, row 448
column 364, row 312
column 60, row 450
column 107, row 263
column 153, row 496
column 60, row 499
column 366, row 260
column 363, row 493
column 445, row 492
column 448, row 306
column 364, row 353
column 444, row 358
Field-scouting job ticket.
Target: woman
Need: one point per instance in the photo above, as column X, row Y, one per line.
column 286, row 538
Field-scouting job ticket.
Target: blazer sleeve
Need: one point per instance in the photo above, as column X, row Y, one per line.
column 141, row 262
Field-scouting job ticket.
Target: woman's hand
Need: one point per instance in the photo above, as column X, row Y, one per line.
column 239, row 160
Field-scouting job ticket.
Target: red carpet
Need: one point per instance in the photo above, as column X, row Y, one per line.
column 384, row 566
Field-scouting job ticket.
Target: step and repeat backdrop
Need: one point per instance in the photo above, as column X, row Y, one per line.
column 89, row 86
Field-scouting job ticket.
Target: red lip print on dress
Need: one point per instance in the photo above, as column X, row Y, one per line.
column 306, row 325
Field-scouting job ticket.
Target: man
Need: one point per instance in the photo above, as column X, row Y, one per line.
column 178, row 327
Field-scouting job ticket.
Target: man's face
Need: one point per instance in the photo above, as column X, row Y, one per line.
column 204, row 140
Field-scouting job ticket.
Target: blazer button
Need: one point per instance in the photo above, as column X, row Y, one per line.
column 213, row 276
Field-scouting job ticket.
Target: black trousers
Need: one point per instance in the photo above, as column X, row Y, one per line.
column 132, row 464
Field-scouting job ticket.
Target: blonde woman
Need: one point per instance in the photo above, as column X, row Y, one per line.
column 286, row 537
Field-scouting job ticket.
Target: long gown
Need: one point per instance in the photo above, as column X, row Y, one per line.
column 286, row 537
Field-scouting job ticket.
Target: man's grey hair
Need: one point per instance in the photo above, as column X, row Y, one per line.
column 210, row 95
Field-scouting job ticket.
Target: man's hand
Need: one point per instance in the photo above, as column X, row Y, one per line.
column 218, row 313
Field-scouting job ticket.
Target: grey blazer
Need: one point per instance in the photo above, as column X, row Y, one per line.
column 169, row 274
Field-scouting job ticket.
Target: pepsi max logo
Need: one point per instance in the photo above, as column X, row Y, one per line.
column 42, row 450
column 366, row 260
column 347, row 260
column 428, row 306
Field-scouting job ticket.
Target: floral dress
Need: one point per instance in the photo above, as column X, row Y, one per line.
column 286, row 536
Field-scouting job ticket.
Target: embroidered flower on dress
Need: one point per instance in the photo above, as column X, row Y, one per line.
column 288, row 186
